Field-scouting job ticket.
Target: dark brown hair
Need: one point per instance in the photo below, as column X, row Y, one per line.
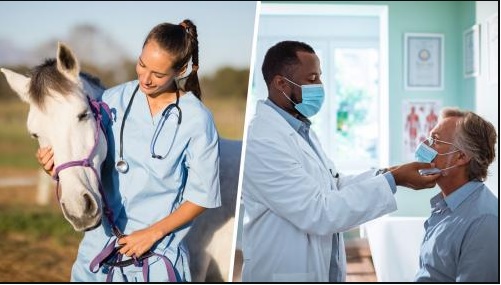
column 182, row 42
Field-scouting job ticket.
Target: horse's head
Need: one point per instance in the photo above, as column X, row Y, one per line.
column 60, row 116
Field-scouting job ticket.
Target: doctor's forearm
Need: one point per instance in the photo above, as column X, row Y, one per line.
column 184, row 214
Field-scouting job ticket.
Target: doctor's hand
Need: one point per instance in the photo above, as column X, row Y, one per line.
column 138, row 242
column 407, row 175
column 45, row 157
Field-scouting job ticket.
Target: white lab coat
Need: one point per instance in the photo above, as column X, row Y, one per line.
column 294, row 205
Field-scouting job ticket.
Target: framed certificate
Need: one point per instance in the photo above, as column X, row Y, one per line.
column 493, row 48
column 471, row 51
column 424, row 61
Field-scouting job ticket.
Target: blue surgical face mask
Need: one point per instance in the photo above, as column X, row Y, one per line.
column 313, row 96
column 425, row 153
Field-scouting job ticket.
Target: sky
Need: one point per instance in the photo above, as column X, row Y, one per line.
column 225, row 28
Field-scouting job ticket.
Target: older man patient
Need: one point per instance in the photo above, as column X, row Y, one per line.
column 461, row 243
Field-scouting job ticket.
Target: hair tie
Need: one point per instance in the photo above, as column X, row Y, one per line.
column 185, row 26
column 194, row 67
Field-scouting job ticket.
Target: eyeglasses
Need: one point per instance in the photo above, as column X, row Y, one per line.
column 430, row 141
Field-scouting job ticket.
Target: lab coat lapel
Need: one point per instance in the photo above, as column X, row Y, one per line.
column 305, row 146
column 276, row 118
column 323, row 157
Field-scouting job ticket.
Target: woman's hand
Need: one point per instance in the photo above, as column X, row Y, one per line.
column 45, row 157
column 138, row 242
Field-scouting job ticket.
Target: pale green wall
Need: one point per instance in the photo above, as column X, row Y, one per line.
column 449, row 18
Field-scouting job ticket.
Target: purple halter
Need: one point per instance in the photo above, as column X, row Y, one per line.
column 87, row 162
column 109, row 255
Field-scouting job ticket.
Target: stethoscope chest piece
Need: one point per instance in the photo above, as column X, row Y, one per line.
column 122, row 166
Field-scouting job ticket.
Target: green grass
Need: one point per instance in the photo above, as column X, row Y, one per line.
column 17, row 148
column 37, row 223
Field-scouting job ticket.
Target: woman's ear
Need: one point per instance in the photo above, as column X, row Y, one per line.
column 182, row 71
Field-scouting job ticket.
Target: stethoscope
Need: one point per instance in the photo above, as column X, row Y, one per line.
column 122, row 165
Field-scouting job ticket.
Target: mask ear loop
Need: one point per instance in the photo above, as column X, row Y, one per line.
column 289, row 98
column 444, row 170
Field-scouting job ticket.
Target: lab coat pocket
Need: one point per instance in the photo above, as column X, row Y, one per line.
column 294, row 277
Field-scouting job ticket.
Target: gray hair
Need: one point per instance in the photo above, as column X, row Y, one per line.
column 476, row 137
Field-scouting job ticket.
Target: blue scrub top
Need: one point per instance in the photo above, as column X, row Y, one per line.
column 153, row 188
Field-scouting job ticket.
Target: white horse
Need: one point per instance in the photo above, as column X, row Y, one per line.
column 60, row 116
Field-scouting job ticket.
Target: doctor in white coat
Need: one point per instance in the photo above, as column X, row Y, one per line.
column 296, row 202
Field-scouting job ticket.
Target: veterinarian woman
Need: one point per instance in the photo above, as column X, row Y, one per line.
column 162, row 168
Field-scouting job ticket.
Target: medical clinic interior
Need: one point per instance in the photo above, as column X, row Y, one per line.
column 381, row 102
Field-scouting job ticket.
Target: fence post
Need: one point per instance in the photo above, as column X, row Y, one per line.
column 43, row 188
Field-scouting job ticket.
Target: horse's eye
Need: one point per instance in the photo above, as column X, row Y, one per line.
column 84, row 115
column 34, row 135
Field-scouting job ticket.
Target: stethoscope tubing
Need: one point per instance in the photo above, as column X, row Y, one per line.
column 122, row 165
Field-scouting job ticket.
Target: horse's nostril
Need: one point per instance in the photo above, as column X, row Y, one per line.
column 63, row 207
column 89, row 205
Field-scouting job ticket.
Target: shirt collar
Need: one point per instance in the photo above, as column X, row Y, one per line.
column 295, row 123
column 453, row 200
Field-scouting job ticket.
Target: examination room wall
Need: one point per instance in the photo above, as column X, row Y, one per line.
column 449, row 18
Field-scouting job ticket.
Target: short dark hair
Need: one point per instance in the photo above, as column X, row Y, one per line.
column 281, row 57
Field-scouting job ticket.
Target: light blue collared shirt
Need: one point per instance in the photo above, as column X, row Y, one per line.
column 461, row 243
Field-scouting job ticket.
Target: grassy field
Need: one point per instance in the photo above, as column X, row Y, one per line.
column 30, row 220
column 38, row 245
column 17, row 148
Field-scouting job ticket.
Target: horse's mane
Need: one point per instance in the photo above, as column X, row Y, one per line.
column 92, row 79
column 46, row 76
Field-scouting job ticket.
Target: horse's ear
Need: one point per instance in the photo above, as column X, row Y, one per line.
column 18, row 82
column 67, row 62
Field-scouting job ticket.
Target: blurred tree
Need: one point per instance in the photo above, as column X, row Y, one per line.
column 226, row 82
column 108, row 77
column 350, row 112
